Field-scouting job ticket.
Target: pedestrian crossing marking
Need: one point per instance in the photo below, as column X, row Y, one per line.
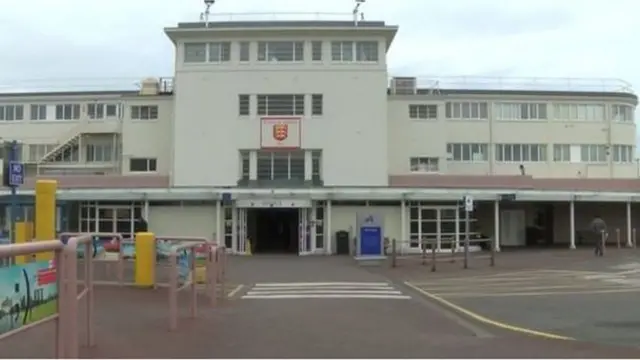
column 325, row 290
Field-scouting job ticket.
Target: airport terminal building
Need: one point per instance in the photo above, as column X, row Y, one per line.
column 282, row 131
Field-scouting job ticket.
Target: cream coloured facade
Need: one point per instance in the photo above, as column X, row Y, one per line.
column 304, row 117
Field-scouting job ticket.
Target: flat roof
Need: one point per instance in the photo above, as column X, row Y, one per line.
column 329, row 24
column 420, row 92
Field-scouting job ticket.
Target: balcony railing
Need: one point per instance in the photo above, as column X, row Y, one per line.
column 436, row 83
column 9, row 85
column 280, row 16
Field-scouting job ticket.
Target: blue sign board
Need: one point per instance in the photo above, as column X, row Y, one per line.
column 16, row 173
column 370, row 235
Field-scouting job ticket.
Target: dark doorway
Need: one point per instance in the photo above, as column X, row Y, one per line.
column 273, row 231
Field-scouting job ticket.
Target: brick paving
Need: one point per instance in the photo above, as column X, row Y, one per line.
column 133, row 323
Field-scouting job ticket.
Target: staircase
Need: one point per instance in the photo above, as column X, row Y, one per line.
column 72, row 137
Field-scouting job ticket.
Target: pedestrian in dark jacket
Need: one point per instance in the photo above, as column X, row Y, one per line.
column 599, row 228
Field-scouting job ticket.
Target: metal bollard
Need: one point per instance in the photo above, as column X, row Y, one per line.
column 453, row 251
column 618, row 238
column 493, row 253
column 603, row 241
column 633, row 238
column 433, row 257
column 423, row 245
column 393, row 253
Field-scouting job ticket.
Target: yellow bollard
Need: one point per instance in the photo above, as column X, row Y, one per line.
column 145, row 259
column 45, row 214
column 22, row 236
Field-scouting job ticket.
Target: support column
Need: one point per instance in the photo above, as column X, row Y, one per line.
column 253, row 165
column 327, row 221
column 439, row 230
column 629, row 230
column 145, row 211
column 496, row 225
column 219, row 237
column 572, row 224
column 403, row 225
column 308, row 169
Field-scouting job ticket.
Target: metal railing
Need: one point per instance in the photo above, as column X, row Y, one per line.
column 436, row 82
column 279, row 16
column 430, row 254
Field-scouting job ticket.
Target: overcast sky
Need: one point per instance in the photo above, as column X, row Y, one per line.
column 80, row 39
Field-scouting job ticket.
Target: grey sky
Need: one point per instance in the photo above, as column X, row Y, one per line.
column 123, row 39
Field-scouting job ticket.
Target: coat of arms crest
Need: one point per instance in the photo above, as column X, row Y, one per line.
column 280, row 131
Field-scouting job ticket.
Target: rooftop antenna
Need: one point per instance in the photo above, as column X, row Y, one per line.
column 356, row 12
column 204, row 16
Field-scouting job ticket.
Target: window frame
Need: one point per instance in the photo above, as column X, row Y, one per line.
column 297, row 102
column 351, row 51
column 519, row 153
column 431, row 164
column 423, row 111
column 62, row 109
column 136, row 112
column 317, row 50
column 466, row 153
column 150, row 162
column 265, row 55
column 38, row 114
column 481, row 107
column 244, row 105
column 317, row 105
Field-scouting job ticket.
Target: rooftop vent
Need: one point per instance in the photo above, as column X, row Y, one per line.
column 403, row 86
column 149, row 86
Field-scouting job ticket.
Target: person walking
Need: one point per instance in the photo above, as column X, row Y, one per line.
column 599, row 228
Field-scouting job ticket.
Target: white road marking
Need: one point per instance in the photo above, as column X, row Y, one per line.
column 325, row 290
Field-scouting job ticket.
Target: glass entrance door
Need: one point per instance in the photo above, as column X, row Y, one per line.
column 305, row 245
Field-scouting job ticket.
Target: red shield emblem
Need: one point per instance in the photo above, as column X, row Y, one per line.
column 280, row 131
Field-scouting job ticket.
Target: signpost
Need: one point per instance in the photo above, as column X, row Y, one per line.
column 468, row 208
column 13, row 178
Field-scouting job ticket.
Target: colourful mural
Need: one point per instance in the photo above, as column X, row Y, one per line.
column 28, row 293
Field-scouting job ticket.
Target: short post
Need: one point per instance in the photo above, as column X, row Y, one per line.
column 394, row 253
column 466, row 239
column 423, row 245
column 453, row 250
column 603, row 240
column 433, row 257
column 618, row 238
column 492, row 261
column 633, row 238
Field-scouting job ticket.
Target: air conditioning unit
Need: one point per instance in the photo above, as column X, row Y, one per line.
column 403, row 86
column 150, row 86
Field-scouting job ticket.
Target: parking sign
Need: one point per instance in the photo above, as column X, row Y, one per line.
column 16, row 173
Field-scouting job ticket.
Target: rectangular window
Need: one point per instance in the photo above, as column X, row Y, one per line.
column 521, row 153
column 623, row 154
column 316, row 51
column 281, row 51
column 350, row 51
column 367, row 51
column 561, row 153
column 469, row 152
column 244, row 105
column 316, row 164
column 281, row 104
column 38, row 112
column 99, row 152
column 281, row 165
column 195, row 52
column 38, row 151
column 111, row 110
column 579, row 112
column 622, row 113
column 245, row 156
column 424, row 164
column 524, row 111
column 219, row 52
column 11, row 112
column 592, row 153
column 423, row 112
column 467, row 110
column 143, row 165
column 95, row 111
column 144, row 112
column 67, row 111
column 342, row 51
column 245, row 51
column 317, row 104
